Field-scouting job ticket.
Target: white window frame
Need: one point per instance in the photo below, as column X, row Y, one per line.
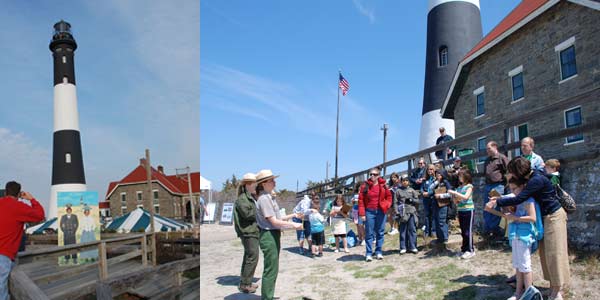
column 121, row 198
column 123, row 210
column 560, row 47
column 137, row 196
column 512, row 73
column 565, row 125
column 68, row 158
column 478, row 91
column 480, row 160
column 64, row 59
column 155, row 206
column 444, row 47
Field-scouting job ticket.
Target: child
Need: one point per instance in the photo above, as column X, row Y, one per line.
column 552, row 166
column 441, row 207
column 360, row 227
column 463, row 197
column 522, row 234
column 406, row 199
column 338, row 221
column 317, row 230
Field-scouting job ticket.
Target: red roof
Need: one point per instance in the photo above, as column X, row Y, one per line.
column 182, row 183
column 175, row 184
column 104, row 204
column 525, row 8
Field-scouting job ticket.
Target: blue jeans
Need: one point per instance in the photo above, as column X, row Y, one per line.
column 375, row 225
column 490, row 221
column 440, row 217
column 6, row 266
column 428, row 208
column 408, row 234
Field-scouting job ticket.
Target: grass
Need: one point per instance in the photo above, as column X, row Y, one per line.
column 377, row 272
column 388, row 294
column 437, row 282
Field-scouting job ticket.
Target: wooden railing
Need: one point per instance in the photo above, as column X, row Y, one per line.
column 24, row 287
column 345, row 183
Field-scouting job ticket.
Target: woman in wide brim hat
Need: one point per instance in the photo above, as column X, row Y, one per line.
column 270, row 223
column 244, row 215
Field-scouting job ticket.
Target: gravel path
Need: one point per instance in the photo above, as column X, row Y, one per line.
column 430, row 274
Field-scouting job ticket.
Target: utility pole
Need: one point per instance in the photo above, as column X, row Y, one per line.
column 385, row 129
column 151, row 206
column 327, row 165
column 191, row 197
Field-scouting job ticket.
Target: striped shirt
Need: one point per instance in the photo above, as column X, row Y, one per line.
column 465, row 205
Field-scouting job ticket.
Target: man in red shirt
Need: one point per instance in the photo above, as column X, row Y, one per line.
column 14, row 213
column 374, row 200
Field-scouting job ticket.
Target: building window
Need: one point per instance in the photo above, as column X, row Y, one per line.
column 139, row 196
column 155, row 196
column 566, row 58
column 140, row 206
column 65, row 79
column 481, row 143
column 443, row 56
column 479, row 101
column 568, row 67
column 573, row 119
column 123, row 199
column 123, row 210
column 157, row 209
column 517, row 87
column 68, row 158
column 64, row 59
column 516, row 82
column 515, row 134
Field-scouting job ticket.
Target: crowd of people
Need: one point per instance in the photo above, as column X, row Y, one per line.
column 520, row 206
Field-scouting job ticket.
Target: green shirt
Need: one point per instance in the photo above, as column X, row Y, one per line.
column 467, row 204
column 244, row 216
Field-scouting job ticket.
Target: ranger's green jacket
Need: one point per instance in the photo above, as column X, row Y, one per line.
column 244, row 216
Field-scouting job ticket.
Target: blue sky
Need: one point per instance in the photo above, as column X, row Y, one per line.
column 269, row 84
column 137, row 74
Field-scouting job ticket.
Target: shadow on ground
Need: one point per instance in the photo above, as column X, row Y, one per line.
column 232, row 280
column 242, row 296
column 493, row 287
column 351, row 257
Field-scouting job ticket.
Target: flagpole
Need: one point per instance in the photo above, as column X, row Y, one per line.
column 337, row 126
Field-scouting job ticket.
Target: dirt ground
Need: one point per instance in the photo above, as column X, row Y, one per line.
column 430, row 274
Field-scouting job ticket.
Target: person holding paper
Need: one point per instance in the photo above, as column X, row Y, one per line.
column 338, row 220
column 270, row 223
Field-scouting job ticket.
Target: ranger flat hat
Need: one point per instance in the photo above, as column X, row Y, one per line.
column 264, row 175
column 249, row 177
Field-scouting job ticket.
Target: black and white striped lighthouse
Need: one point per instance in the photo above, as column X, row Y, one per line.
column 67, row 159
column 453, row 28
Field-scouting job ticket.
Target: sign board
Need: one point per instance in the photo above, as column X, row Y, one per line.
column 209, row 217
column 227, row 213
column 78, row 222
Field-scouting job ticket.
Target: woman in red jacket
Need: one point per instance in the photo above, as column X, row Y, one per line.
column 374, row 200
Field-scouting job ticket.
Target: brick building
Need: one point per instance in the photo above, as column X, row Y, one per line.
column 170, row 196
column 538, row 72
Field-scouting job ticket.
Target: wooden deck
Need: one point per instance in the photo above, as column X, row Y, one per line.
column 38, row 276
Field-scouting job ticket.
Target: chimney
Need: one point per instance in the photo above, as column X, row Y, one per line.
column 143, row 162
column 161, row 169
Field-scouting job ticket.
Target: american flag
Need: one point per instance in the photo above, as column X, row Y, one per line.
column 344, row 85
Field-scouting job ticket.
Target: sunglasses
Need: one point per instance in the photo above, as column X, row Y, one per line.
column 374, row 174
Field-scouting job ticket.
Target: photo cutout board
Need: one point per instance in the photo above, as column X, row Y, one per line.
column 78, row 222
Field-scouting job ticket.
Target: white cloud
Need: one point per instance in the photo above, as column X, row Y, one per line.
column 367, row 12
column 272, row 97
column 26, row 162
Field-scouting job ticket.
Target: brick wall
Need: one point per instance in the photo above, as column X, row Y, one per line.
column 166, row 200
column 533, row 47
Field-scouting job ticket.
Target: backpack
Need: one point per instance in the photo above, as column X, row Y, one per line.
column 566, row 201
column 532, row 293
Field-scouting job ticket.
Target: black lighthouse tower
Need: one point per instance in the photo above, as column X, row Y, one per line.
column 67, row 159
column 453, row 28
